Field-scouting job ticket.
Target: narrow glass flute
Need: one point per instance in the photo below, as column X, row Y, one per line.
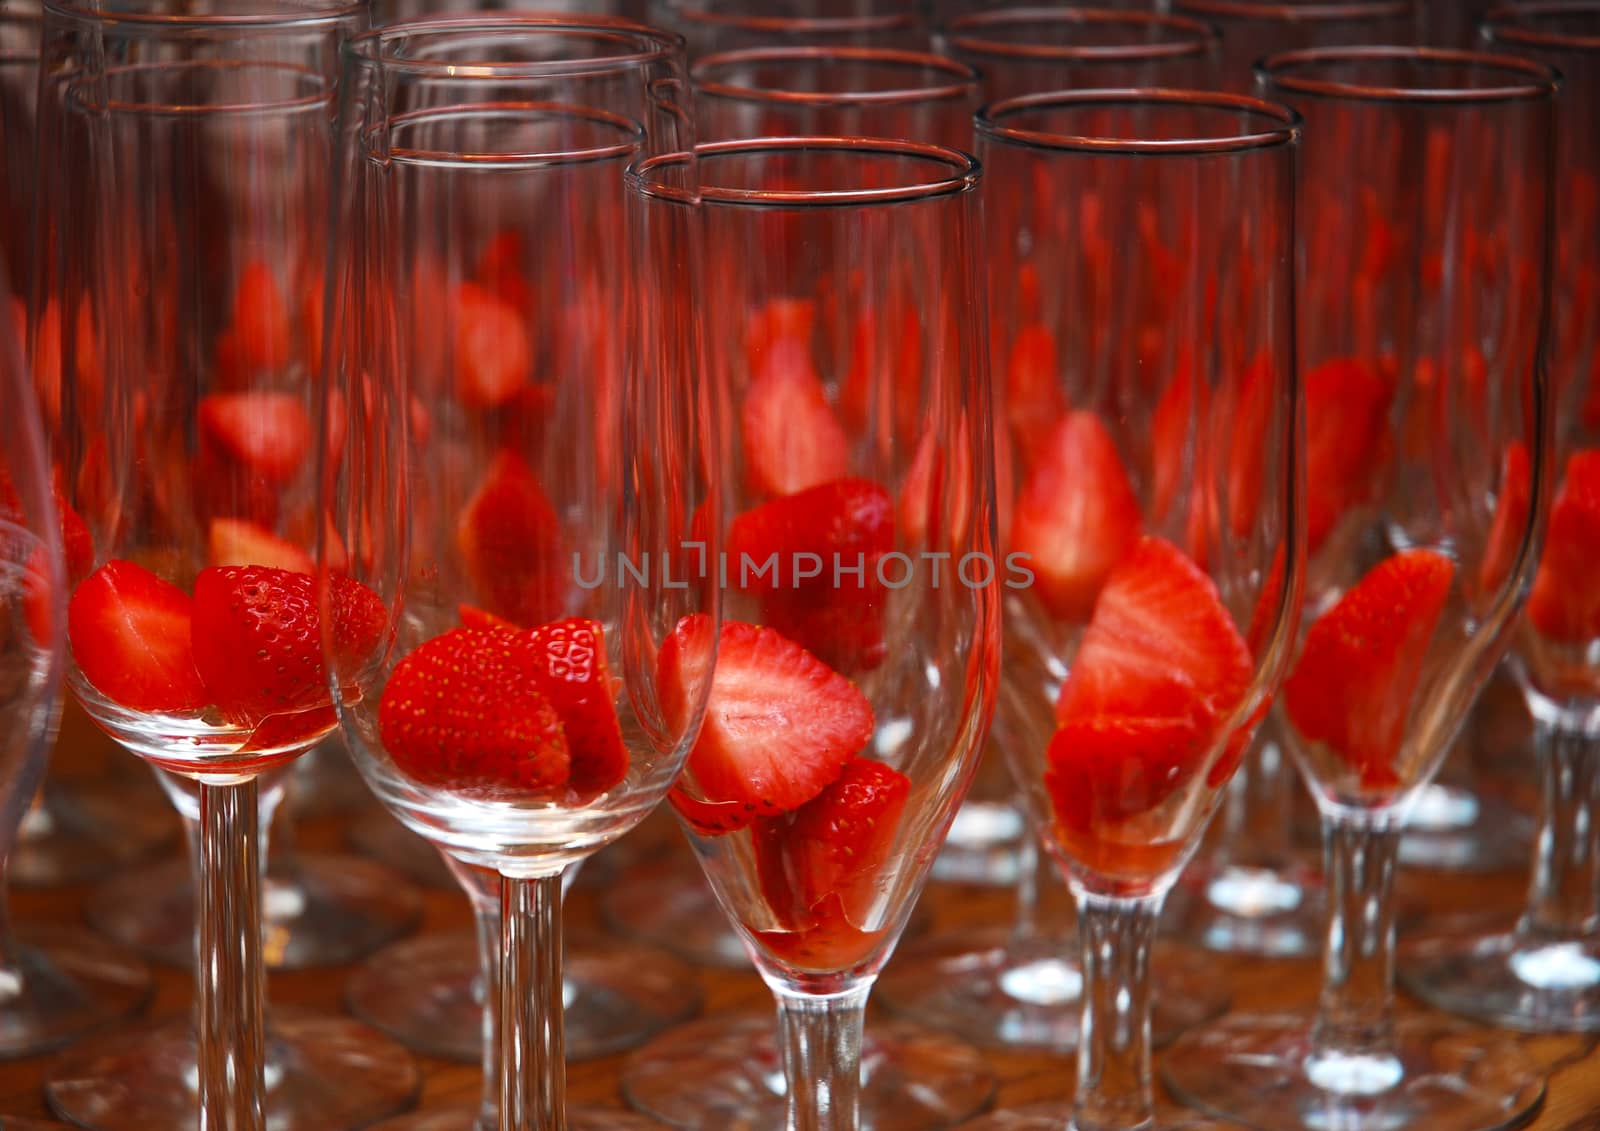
column 1422, row 309
column 873, row 679
column 518, row 433
column 1252, row 29
column 1158, row 506
column 1544, row 972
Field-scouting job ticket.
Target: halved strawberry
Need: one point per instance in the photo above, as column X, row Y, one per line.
column 839, row 841
column 1034, row 397
column 256, row 641
column 494, row 354
column 1347, row 410
column 710, row 818
column 1077, row 516
column 568, row 658
column 510, row 542
column 1565, row 602
column 791, row 438
column 826, row 942
column 780, row 725
column 1506, row 533
column 463, row 711
column 1351, row 688
column 1113, row 768
column 261, row 331
column 239, row 542
column 130, row 634
column 781, row 319
column 268, row 434
column 846, row 522
column 474, row 617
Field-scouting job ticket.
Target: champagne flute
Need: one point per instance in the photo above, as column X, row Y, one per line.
column 1427, row 411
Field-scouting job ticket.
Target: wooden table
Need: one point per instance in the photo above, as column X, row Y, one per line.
column 1572, row 1103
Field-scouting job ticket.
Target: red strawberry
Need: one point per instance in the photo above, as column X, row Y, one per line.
column 826, row 942
column 493, row 352
column 1507, row 532
column 1565, row 602
column 791, row 438
column 256, row 641
column 847, row 522
column 1352, row 686
column 1347, row 410
column 710, row 818
column 268, row 434
column 261, row 332
column 510, row 543
column 1077, row 517
column 1034, row 399
column 130, row 636
column 781, row 319
column 499, row 269
column 1175, row 429
column 1246, row 424
column 238, row 542
column 569, row 660
column 474, row 617
column 462, row 711
column 780, row 725
column 1117, row 767
column 838, row 842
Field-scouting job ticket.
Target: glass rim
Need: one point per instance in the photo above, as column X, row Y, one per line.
column 965, row 173
column 75, row 89
column 1498, row 27
column 963, row 80
column 703, row 16
column 1538, row 81
column 1326, row 11
column 1285, row 131
column 629, row 130
column 653, row 45
column 157, row 22
column 958, row 34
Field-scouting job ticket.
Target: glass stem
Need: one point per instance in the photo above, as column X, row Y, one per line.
column 12, row 978
column 1114, row 1090
column 1564, row 897
column 533, row 1069
column 1030, row 878
column 1355, row 1017
column 230, row 981
column 821, row 1039
column 486, row 921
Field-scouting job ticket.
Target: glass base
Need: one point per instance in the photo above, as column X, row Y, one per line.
column 726, row 1074
column 1516, row 980
column 72, row 983
column 339, row 909
column 1443, row 1075
column 668, row 904
column 467, row 1119
column 84, row 827
column 1236, row 909
column 1000, row 991
column 380, row 837
column 1453, row 828
column 323, row 1074
column 424, row 994
column 984, row 846
column 1058, row 1117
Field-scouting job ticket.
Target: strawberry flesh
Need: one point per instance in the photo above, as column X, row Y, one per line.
column 130, row 634
column 792, row 440
column 1564, row 605
column 569, row 660
column 1347, row 411
column 267, row 434
column 494, row 355
column 1352, row 687
column 237, row 541
column 509, row 538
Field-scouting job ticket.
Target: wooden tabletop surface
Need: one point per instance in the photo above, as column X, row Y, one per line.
column 1572, row 1102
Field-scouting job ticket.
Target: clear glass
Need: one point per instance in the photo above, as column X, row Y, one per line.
column 835, row 91
column 845, row 354
column 1157, row 502
column 1032, row 50
column 1543, row 973
column 518, row 434
column 709, row 26
column 1254, row 29
column 1424, row 195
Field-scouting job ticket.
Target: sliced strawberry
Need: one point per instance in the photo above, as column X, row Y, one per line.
column 1508, row 531
column 1351, row 688
column 1077, row 516
column 510, row 542
column 499, row 269
column 261, row 331
column 825, row 943
column 268, row 434
column 848, row 523
column 1347, row 410
column 710, row 818
column 1565, row 602
column 256, row 641
column 791, row 438
column 1034, row 398
column 1117, row 767
column 462, row 711
column 569, row 660
column 840, row 840
column 781, row 319
column 130, row 634
column 474, row 617
column 239, row 542
column 1175, row 429
column 494, row 355
column 780, row 725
